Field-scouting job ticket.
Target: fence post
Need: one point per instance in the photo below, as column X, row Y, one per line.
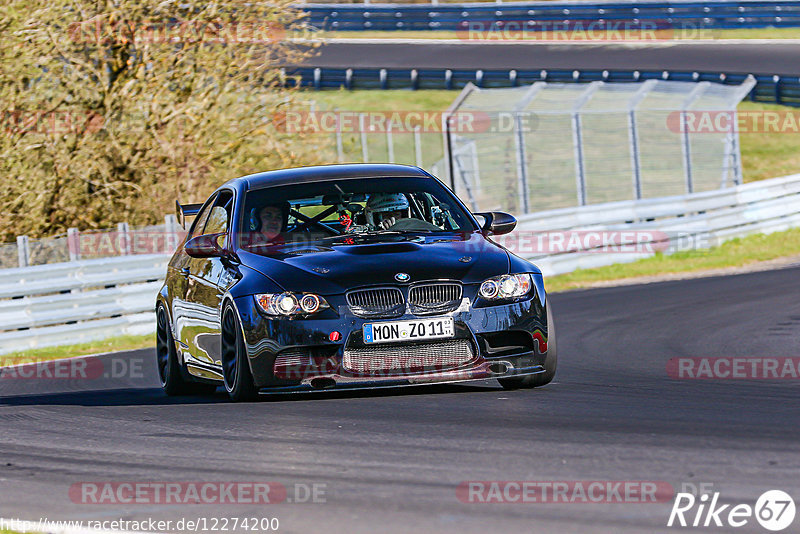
column 633, row 135
column 686, row 141
column 390, row 143
column 74, row 244
column 577, row 140
column 171, row 231
column 635, row 163
column 364, row 149
column 23, row 251
column 686, row 147
column 522, row 164
column 577, row 143
column 737, row 160
column 124, row 239
column 417, row 147
column 448, row 151
column 339, row 146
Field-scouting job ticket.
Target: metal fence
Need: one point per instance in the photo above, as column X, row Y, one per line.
column 548, row 146
column 355, row 141
column 76, row 245
column 454, row 17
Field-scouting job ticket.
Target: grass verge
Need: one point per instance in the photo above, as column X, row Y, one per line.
column 734, row 253
column 767, row 155
column 67, row 351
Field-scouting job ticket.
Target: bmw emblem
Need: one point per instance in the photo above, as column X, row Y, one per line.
column 402, row 277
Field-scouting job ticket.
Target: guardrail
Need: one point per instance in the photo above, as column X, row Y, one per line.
column 775, row 89
column 455, row 17
column 619, row 232
column 73, row 302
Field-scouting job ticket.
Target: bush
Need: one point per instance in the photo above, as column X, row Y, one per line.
column 111, row 110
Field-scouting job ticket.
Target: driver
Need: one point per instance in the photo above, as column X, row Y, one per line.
column 383, row 210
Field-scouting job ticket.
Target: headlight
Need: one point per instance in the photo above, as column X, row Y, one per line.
column 289, row 304
column 508, row 286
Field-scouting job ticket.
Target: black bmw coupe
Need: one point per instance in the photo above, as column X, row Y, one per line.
column 344, row 276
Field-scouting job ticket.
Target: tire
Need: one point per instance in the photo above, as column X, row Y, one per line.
column 235, row 367
column 550, row 363
column 172, row 377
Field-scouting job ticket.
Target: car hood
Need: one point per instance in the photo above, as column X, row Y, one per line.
column 337, row 265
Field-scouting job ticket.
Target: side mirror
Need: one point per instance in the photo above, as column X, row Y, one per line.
column 206, row 246
column 497, row 222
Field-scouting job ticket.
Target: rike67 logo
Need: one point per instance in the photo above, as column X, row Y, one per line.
column 774, row 510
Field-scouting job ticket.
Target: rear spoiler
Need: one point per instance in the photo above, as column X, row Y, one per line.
column 186, row 210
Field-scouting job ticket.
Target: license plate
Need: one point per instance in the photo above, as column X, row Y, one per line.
column 408, row 330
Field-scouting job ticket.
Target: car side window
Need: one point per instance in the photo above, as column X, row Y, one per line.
column 220, row 217
column 202, row 217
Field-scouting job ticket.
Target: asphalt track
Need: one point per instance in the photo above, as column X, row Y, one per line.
column 761, row 57
column 391, row 461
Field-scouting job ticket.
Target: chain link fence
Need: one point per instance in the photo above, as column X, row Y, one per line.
column 554, row 145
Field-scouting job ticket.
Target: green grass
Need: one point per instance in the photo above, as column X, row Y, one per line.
column 66, row 351
column 747, row 33
column 767, row 155
column 733, row 253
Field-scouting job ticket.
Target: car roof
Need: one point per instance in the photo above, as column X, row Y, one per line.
column 318, row 173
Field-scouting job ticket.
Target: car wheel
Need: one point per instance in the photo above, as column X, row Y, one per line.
column 235, row 368
column 550, row 363
column 170, row 373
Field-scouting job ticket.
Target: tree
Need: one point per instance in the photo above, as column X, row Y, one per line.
column 112, row 109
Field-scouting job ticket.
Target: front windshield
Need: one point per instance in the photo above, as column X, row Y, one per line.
column 329, row 210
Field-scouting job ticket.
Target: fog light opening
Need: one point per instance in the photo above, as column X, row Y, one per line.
column 323, row 383
column 498, row 368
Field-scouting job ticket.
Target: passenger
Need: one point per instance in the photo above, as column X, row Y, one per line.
column 270, row 222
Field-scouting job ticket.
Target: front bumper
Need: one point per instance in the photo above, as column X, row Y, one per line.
column 506, row 340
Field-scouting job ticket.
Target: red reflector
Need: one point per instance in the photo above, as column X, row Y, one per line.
column 335, row 336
